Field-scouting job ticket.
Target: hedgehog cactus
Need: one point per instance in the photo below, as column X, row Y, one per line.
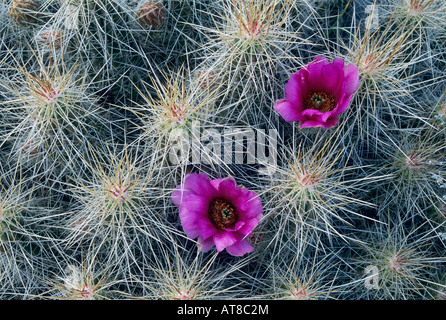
column 226, row 149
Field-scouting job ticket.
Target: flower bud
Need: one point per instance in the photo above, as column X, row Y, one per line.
column 152, row 14
column 23, row 11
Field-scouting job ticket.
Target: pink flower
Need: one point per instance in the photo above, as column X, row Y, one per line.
column 317, row 94
column 218, row 213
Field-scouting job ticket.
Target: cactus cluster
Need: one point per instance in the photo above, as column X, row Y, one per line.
column 224, row 149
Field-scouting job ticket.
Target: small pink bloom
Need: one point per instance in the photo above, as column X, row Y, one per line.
column 218, row 213
column 317, row 94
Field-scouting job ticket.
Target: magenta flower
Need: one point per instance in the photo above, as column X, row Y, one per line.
column 317, row 94
column 218, row 213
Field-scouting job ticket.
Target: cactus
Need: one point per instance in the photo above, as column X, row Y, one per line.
column 198, row 150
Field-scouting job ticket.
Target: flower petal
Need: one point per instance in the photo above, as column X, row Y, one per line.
column 205, row 228
column 312, row 114
column 199, row 184
column 205, row 245
column 351, row 79
column 226, row 188
column 196, row 203
column 224, row 239
column 193, row 184
column 320, row 59
column 333, row 77
column 240, row 248
column 189, row 223
column 342, row 105
column 192, row 209
column 248, row 205
column 315, row 77
column 178, row 194
column 288, row 111
column 248, row 226
column 330, row 123
column 236, row 227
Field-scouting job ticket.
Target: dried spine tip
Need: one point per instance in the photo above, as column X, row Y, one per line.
column 320, row 100
column 152, row 14
column 23, row 11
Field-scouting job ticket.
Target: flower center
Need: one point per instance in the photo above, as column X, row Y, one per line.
column 222, row 214
column 320, row 100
